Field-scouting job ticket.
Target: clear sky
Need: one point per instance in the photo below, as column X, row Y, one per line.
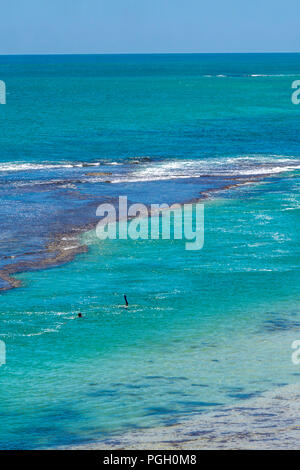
column 145, row 26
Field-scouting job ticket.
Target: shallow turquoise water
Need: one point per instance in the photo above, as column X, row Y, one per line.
column 203, row 328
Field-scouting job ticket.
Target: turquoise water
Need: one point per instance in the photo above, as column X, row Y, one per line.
column 204, row 328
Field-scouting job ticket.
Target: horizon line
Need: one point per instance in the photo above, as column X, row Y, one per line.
column 139, row 53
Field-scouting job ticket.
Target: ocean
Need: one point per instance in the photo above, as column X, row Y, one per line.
column 204, row 329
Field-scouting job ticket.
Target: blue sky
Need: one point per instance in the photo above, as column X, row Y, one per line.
column 147, row 26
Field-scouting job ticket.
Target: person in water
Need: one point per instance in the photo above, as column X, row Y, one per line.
column 125, row 298
column 79, row 315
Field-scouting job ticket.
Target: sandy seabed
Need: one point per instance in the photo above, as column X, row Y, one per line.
column 271, row 421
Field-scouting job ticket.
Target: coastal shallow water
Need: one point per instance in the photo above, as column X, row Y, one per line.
column 270, row 422
column 204, row 329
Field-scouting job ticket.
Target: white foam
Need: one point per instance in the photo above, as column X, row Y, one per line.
column 233, row 166
column 24, row 166
column 246, row 165
column 32, row 166
column 74, row 247
column 273, row 75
